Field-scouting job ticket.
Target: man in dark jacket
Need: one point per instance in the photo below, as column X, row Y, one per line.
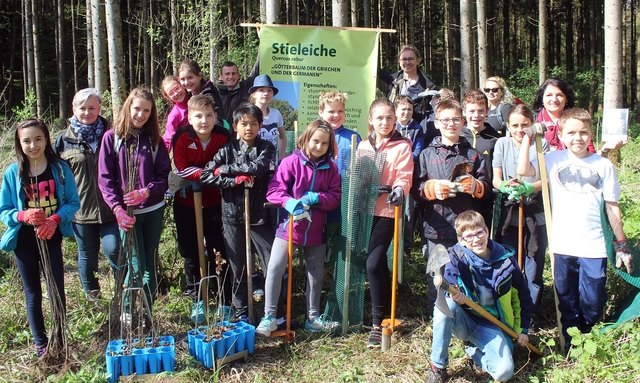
column 234, row 91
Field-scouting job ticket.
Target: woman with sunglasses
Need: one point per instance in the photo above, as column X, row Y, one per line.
column 500, row 101
column 408, row 81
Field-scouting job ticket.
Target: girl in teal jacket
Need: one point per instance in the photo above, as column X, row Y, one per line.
column 38, row 201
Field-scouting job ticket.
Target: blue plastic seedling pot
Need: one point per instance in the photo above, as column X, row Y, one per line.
column 140, row 361
column 154, row 360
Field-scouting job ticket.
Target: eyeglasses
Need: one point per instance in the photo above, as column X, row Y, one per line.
column 480, row 234
column 407, row 59
column 447, row 121
column 491, row 90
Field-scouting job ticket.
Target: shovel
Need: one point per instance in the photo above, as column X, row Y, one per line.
column 442, row 284
column 437, row 259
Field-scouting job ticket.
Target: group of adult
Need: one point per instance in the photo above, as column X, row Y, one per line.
column 552, row 98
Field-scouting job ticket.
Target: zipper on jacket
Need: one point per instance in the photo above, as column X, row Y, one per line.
column 313, row 182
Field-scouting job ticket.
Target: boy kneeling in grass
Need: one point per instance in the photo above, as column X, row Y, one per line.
column 487, row 273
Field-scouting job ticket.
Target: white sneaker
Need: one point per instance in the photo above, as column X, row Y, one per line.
column 267, row 325
column 319, row 323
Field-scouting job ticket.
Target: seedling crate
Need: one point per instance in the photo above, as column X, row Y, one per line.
column 141, row 356
column 236, row 343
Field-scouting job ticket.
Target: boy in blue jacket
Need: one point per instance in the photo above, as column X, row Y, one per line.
column 487, row 273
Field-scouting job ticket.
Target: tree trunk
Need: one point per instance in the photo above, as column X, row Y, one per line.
column 339, row 13
column 28, row 39
column 569, row 35
column 448, row 56
column 295, row 12
column 483, row 55
column 62, row 68
column 263, row 11
column 542, row 41
column 74, row 48
column 133, row 74
column 273, row 11
column 91, row 75
column 354, row 13
column 174, row 35
column 613, row 54
column 146, row 44
column 213, row 37
column 116, row 54
column 97, row 28
column 366, row 12
column 466, row 81
column 36, row 10
column 153, row 78
column 637, row 67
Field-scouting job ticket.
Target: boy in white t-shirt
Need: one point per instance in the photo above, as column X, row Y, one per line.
column 580, row 184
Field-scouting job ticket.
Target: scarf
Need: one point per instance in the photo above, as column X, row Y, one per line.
column 552, row 128
column 91, row 134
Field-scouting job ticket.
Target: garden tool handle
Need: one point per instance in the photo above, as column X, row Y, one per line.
column 440, row 282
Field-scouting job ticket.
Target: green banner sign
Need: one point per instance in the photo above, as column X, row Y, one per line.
column 306, row 61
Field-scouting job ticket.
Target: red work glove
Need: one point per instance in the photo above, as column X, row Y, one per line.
column 32, row 216
column 247, row 180
column 136, row 197
column 124, row 221
column 470, row 185
column 48, row 227
column 437, row 189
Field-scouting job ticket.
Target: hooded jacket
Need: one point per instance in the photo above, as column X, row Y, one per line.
column 12, row 198
column 233, row 159
column 397, row 169
column 113, row 170
column 436, row 162
column 513, row 305
column 296, row 175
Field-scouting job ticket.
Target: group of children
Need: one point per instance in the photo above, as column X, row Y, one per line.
column 448, row 180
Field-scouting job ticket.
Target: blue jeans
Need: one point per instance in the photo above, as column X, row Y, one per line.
column 28, row 262
column 148, row 228
column 490, row 347
column 88, row 238
column 581, row 284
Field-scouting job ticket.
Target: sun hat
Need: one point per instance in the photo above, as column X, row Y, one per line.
column 263, row 81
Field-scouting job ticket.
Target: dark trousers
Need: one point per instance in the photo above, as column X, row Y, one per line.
column 234, row 241
column 378, row 269
column 185, row 219
column 582, row 294
column 533, row 262
column 28, row 262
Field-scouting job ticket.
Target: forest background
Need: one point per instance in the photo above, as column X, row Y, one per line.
column 52, row 48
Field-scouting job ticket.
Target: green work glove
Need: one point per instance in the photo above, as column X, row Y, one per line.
column 506, row 186
column 523, row 189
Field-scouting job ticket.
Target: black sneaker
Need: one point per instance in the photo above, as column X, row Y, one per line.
column 437, row 375
column 375, row 337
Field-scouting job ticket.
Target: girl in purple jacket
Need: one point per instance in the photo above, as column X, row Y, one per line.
column 307, row 185
column 134, row 148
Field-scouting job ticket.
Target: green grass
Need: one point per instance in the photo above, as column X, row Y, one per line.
column 613, row 356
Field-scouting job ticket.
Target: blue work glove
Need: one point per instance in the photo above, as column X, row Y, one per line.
column 294, row 206
column 396, row 197
column 310, row 198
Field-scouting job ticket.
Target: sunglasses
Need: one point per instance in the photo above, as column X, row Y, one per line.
column 491, row 90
